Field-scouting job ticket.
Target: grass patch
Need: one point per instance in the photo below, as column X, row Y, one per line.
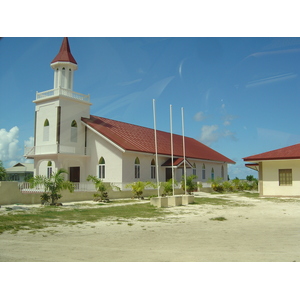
column 53, row 216
column 250, row 195
column 218, row 201
column 218, row 219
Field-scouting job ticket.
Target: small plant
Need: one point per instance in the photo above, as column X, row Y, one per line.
column 45, row 197
column 168, row 186
column 218, row 219
column 139, row 187
column 53, row 185
column 101, row 187
column 191, row 185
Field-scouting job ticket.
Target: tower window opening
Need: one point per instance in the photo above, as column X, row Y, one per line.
column 46, row 131
column 74, row 131
column 101, row 168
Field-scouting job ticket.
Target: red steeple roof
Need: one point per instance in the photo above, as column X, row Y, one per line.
column 64, row 53
column 290, row 152
column 141, row 139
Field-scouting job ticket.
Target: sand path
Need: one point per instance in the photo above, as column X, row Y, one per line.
column 263, row 231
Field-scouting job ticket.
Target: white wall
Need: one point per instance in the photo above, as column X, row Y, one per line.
column 270, row 178
column 99, row 147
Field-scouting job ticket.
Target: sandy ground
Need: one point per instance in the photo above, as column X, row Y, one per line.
column 263, row 231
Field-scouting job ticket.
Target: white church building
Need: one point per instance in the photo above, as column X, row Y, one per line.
column 67, row 136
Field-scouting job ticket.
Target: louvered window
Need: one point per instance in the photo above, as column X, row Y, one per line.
column 285, row 177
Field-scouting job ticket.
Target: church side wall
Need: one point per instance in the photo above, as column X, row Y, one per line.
column 99, row 147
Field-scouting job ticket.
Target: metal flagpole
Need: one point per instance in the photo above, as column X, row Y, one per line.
column 155, row 139
column 171, row 129
column 183, row 145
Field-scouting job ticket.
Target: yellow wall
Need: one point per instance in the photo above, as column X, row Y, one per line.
column 270, row 178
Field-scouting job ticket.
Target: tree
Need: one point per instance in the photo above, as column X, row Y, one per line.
column 53, row 185
column 3, row 173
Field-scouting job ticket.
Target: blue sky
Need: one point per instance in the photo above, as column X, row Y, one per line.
column 240, row 95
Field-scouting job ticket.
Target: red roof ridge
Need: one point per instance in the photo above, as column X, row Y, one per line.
column 64, row 53
column 289, row 152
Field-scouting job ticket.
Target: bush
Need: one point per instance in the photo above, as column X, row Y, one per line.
column 234, row 185
column 168, row 186
column 191, row 185
column 100, row 186
column 138, row 188
column 45, row 197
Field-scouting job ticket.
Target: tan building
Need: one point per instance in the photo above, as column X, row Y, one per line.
column 20, row 172
column 279, row 171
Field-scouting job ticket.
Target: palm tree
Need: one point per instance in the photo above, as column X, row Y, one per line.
column 100, row 186
column 138, row 187
column 53, row 185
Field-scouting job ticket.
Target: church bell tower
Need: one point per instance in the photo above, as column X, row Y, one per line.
column 64, row 65
column 59, row 135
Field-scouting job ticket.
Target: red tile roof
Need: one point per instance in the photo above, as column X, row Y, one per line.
column 291, row 152
column 141, row 139
column 64, row 53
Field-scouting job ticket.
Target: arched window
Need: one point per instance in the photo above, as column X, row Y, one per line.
column 49, row 169
column 101, row 168
column 137, row 168
column 222, row 172
column 153, row 169
column 46, row 131
column 194, row 170
column 203, row 171
column 212, row 174
column 74, row 131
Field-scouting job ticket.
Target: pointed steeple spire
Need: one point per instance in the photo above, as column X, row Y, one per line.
column 64, row 54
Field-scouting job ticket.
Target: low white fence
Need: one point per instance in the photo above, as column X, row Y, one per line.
column 24, row 187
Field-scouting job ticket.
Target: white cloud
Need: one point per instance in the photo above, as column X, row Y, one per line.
column 29, row 142
column 199, row 116
column 10, row 152
column 9, row 144
column 272, row 79
column 228, row 119
column 211, row 134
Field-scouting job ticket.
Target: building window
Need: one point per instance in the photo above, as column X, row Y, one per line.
column 56, row 79
column 194, row 170
column 153, row 169
column 49, row 169
column 70, row 79
column 203, row 171
column 63, row 77
column 222, row 171
column 285, row 177
column 212, row 174
column 101, row 168
column 74, row 131
column 46, row 131
column 137, row 168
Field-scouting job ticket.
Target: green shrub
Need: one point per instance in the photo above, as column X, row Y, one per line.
column 168, row 186
column 191, row 185
column 138, row 187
